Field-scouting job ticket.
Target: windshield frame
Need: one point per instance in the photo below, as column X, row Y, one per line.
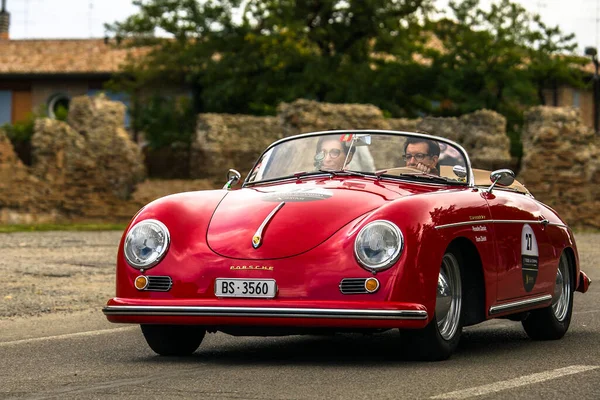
column 470, row 177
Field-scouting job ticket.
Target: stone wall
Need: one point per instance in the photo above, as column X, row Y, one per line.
column 482, row 134
column 304, row 116
column 83, row 169
column 226, row 141
column 234, row 141
column 20, row 190
column 88, row 168
column 561, row 164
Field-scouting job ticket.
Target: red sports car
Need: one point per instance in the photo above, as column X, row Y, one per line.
column 349, row 231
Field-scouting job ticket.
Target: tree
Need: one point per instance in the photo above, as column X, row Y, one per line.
column 552, row 59
column 248, row 58
column 500, row 59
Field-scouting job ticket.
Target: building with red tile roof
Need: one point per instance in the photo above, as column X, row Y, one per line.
column 45, row 73
column 42, row 73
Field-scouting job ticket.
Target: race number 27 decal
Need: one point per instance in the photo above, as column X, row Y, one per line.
column 529, row 257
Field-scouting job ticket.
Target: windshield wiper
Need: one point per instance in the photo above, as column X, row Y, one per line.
column 296, row 175
column 416, row 177
column 302, row 174
column 347, row 172
column 330, row 173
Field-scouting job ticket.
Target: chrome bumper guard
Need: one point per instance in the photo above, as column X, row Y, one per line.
column 265, row 312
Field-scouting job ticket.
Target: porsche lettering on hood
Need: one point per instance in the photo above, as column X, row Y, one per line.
column 253, row 267
column 241, row 213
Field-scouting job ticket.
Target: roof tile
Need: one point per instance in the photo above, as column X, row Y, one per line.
column 62, row 56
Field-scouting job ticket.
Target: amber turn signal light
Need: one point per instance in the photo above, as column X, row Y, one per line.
column 371, row 285
column 141, row 282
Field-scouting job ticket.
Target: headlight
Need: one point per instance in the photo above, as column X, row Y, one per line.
column 146, row 244
column 378, row 245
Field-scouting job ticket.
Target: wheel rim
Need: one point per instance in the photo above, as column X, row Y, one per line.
column 449, row 294
column 562, row 290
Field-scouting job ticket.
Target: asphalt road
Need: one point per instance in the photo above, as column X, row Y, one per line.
column 80, row 355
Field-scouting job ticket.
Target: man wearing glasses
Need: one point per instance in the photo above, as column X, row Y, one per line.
column 422, row 154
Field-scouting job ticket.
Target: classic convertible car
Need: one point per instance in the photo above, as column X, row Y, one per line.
column 348, row 231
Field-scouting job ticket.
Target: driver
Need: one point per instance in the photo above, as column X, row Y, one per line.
column 422, row 154
column 331, row 153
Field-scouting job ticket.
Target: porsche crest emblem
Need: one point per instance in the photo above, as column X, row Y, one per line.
column 257, row 238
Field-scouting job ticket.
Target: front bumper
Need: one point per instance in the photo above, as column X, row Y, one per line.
column 584, row 282
column 265, row 313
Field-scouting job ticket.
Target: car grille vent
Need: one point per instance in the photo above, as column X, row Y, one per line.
column 353, row 286
column 159, row 283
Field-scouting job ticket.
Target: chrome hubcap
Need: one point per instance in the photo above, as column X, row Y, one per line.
column 562, row 289
column 449, row 294
column 444, row 296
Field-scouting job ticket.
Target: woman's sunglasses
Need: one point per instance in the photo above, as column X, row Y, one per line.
column 333, row 153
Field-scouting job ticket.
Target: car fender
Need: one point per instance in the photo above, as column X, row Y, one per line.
column 187, row 216
column 428, row 224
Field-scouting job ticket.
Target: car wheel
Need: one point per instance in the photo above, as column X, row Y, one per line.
column 173, row 340
column 552, row 322
column 438, row 340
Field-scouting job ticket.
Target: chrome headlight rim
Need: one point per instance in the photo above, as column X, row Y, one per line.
column 392, row 259
column 144, row 266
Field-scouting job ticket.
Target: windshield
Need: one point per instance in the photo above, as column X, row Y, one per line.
column 382, row 154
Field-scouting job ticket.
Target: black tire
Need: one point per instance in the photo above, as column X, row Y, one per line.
column 552, row 322
column 439, row 339
column 173, row 340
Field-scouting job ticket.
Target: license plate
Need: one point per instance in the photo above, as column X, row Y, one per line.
column 263, row 288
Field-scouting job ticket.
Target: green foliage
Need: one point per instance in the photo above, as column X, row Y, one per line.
column 22, row 131
column 61, row 113
column 346, row 51
column 279, row 50
column 500, row 59
column 166, row 121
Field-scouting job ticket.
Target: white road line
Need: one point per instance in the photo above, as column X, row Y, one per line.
column 66, row 336
column 513, row 383
column 586, row 312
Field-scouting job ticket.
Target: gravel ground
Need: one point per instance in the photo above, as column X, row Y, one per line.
column 49, row 272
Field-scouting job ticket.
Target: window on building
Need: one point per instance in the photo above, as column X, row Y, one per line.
column 5, row 107
column 576, row 98
column 58, row 106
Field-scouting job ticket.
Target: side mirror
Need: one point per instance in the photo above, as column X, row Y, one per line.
column 362, row 140
column 459, row 171
column 502, row 177
column 233, row 177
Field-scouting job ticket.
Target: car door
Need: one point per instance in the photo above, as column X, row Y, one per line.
column 523, row 252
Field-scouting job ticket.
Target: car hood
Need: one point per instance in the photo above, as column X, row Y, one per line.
column 311, row 213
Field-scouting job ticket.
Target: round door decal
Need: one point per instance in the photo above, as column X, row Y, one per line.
column 529, row 257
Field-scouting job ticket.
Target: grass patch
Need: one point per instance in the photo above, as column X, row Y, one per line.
column 61, row 227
